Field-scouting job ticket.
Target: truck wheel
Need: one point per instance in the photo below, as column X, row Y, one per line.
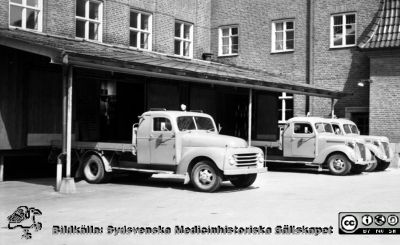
column 382, row 165
column 243, row 181
column 205, row 177
column 371, row 166
column 93, row 170
column 358, row 169
column 339, row 164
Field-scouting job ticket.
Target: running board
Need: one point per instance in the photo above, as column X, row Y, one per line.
column 143, row 170
column 295, row 162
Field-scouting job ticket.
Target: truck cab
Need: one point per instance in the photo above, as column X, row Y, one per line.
column 311, row 141
column 379, row 146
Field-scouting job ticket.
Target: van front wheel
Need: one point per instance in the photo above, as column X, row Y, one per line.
column 205, row 177
column 243, row 181
column 338, row 164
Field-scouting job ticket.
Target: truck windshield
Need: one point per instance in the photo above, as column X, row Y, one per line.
column 350, row 129
column 324, row 128
column 195, row 123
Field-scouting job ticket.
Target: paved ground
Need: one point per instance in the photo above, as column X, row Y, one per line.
column 277, row 198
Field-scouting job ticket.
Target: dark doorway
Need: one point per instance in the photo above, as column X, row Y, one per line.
column 233, row 114
column 361, row 119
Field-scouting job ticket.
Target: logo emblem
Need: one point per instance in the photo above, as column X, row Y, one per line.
column 367, row 220
column 349, row 223
column 380, row 219
column 25, row 218
column 393, row 220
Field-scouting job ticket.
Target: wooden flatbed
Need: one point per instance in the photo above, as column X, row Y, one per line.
column 100, row 146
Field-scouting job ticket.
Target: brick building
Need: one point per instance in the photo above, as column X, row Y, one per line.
column 289, row 52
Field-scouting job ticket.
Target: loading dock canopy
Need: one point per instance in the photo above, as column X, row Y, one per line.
column 102, row 56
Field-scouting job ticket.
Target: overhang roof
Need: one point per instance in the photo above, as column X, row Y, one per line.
column 101, row 56
column 385, row 30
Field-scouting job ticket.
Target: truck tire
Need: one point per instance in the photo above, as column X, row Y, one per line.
column 205, row 177
column 371, row 166
column 358, row 169
column 93, row 170
column 243, row 181
column 338, row 164
column 382, row 165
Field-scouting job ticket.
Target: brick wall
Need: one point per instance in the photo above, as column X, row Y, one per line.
column 340, row 69
column 59, row 17
column 4, row 13
column 384, row 96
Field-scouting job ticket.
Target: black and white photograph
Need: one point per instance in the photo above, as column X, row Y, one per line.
column 199, row 122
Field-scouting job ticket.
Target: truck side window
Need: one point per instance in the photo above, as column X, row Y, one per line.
column 302, row 128
column 161, row 124
column 336, row 129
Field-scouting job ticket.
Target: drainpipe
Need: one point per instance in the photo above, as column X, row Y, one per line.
column 250, row 115
column 310, row 52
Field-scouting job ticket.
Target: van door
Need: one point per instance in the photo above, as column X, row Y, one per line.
column 303, row 141
column 162, row 142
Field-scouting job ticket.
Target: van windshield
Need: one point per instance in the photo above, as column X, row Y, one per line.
column 195, row 123
column 351, row 129
column 324, row 128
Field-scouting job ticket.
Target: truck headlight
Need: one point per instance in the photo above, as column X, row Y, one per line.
column 231, row 160
column 260, row 158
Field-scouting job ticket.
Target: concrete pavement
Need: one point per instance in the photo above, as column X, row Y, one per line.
column 299, row 197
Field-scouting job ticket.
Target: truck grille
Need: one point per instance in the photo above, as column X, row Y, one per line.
column 361, row 147
column 246, row 159
column 386, row 148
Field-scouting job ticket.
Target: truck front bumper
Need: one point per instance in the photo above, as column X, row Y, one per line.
column 243, row 171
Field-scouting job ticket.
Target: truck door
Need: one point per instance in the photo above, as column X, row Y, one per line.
column 303, row 141
column 162, row 142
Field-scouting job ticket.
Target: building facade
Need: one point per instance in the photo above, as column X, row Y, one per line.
column 310, row 42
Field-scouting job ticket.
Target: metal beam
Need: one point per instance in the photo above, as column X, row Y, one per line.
column 258, row 85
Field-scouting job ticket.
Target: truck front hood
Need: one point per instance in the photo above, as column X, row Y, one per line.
column 341, row 138
column 200, row 139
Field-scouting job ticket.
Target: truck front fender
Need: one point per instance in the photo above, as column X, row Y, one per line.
column 346, row 150
column 375, row 150
column 215, row 154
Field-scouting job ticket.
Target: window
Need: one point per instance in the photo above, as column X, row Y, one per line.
column 302, row 128
column 183, row 39
column 89, row 15
column 140, row 30
column 286, row 107
column 336, row 129
column 161, row 124
column 324, row 128
column 26, row 14
column 228, row 41
column 343, row 30
column 282, row 36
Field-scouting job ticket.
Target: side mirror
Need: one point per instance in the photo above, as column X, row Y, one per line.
column 219, row 128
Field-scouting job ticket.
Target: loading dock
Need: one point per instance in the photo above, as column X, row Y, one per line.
column 72, row 60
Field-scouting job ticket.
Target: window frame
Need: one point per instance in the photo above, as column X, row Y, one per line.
column 273, row 35
column 344, row 44
column 309, row 124
column 87, row 20
column 24, row 6
column 139, row 30
column 183, row 40
column 284, row 98
column 230, row 35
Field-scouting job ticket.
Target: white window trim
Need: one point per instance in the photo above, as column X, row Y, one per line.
column 344, row 30
column 182, row 39
column 150, row 31
column 88, row 20
column 230, row 40
column 23, row 19
column 273, row 38
column 284, row 97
